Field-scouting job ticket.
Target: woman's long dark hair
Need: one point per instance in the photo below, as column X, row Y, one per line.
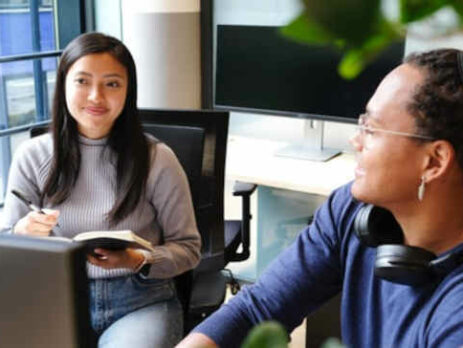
column 126, row 138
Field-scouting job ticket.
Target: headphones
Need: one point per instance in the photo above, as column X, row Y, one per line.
column 398, row 263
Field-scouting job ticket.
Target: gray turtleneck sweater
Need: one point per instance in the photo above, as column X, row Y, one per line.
column 164, row 216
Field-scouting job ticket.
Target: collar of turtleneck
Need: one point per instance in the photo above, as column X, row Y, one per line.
column 93, row 142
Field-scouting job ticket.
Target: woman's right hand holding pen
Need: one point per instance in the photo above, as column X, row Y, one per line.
column 36, row 223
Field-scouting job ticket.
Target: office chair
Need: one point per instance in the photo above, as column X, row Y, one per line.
column 199, row 139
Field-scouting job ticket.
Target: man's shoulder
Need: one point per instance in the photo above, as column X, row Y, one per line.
column 444, row 321
column 450, row 290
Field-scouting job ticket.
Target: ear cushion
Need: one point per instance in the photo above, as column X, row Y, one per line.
column 403, row 264
column 375, row 226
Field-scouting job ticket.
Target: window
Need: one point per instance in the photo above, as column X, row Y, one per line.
column 30, row 43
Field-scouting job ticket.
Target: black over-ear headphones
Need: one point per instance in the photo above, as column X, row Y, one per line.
column 377, row 227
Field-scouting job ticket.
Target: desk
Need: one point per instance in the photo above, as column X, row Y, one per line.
column 289, row 191
column 253, row 160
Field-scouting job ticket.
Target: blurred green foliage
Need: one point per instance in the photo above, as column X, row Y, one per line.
column 359, row 27
column 269, row 334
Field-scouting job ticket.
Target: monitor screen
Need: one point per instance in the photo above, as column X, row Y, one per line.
column 44, row 293
column 259, row 70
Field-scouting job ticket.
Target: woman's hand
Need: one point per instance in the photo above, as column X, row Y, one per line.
column 128, row 258
column 37, row 224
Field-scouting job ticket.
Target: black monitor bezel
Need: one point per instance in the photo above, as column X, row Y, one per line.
column 347, row 119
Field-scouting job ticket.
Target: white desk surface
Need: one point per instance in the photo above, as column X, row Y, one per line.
column 253, row 160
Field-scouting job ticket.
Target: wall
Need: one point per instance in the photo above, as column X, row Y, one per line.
column 108, row 18
column 164, row 39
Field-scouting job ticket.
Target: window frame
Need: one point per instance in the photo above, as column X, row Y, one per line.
column 71, row 18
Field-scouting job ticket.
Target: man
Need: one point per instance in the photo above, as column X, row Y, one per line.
column 410, row 160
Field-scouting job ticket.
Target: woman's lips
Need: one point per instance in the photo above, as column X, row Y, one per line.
column 97, row 111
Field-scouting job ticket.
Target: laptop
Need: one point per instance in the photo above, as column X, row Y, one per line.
column 43, row 293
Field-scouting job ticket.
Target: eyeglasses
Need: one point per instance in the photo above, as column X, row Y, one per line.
column 367, row 132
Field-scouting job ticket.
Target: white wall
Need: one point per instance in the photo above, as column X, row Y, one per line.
column 108, row 17
column 164, row 39
column 429, row 34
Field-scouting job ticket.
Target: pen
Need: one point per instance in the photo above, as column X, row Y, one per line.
column 27, row 202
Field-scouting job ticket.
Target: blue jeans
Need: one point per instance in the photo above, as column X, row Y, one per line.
column 135, row 312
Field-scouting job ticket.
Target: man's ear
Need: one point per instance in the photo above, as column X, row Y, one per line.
column 440, row 157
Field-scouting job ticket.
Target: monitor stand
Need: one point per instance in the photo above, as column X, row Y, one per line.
column 311, row 147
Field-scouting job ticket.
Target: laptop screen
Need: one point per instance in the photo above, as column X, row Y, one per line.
column 43, row 293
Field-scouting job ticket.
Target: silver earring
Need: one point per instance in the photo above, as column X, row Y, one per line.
column 421, row 189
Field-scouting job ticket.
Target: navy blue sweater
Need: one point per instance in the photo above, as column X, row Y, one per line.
column 326, row 258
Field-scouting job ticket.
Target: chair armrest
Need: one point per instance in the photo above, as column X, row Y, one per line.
column 243, row 188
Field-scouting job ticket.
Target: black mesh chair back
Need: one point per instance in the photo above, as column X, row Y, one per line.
column 188, row 145
column 199, row 139
column 171, row 127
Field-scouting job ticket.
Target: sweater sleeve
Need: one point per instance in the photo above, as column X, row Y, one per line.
column 303, row 277
column 171, row 198
column 24, row 174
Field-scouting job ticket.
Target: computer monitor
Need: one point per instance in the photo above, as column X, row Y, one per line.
column 43, row 294
column 259, row 70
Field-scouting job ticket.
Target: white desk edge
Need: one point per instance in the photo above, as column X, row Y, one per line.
column 253, row 160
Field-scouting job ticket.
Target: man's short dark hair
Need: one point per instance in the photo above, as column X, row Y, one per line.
column 438, row 102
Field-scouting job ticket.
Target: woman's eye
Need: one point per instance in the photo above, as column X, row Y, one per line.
column 80, row 81
column 113, row 84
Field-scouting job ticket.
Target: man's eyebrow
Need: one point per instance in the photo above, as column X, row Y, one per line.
column 371, row 116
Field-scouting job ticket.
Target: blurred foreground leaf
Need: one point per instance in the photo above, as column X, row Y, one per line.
column 332, row 343
column 350, row 20
column 414, row 10
column 269, row 334
column 359, row 28
column 305, row 30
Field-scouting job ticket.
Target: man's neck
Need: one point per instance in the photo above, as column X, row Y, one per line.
column 435, row 224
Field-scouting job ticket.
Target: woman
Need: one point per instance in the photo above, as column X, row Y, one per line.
column 98, row 171
column 409, row 161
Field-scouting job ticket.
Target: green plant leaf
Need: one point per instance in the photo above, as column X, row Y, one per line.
column 305, row 30
column 414, row 10
column 350, row 20
column 352, row 64
column 332, row 342
column 356, row 58
column 269, row 334
column 458, row 7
